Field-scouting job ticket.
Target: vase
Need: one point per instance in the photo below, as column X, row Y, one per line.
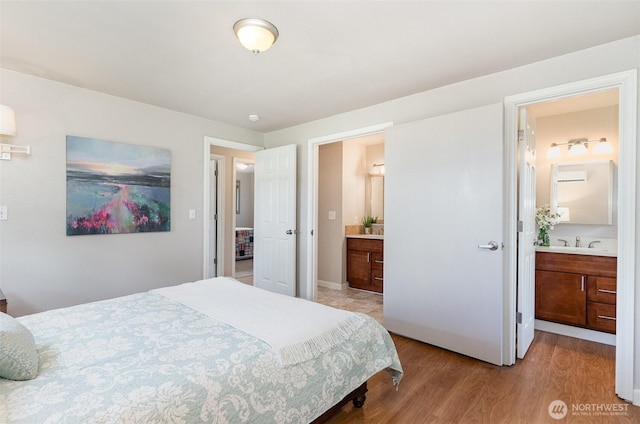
column 367, row 230
column 543, row 237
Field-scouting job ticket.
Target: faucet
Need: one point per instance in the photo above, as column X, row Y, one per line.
column 566, row 243
column 594, row 242
column 578, row 241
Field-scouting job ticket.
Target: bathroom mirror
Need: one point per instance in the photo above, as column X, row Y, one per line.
column 583, row 192
column 377, row 196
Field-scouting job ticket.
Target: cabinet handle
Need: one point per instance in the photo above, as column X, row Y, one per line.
column 382, row 279
column 606, row 317
column 378, row 262
column 368, row 257
column 607, row 291
column 582, row 285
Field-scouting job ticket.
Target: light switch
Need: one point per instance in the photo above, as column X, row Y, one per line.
column 332, row 214
column 192, row 214
column 3, row 213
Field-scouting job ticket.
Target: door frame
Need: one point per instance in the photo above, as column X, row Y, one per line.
column 221, row 193
column 626, row 83
column 313, row 148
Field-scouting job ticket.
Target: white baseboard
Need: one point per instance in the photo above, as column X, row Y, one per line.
column 636, row 397
column 331, row 285
column 577, row 332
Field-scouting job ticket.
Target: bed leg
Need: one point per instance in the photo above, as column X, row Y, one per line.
column 358, row 402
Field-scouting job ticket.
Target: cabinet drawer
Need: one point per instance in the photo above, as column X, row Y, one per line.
column 601, row 289
column 377, row 280
column 377, row 261
column 371, row 245
column 601, row 316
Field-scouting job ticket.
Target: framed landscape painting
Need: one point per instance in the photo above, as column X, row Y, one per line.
column 116, row 187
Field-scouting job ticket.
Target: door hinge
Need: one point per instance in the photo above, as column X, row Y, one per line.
column 519, row 317
column 215, row 261
column 520, row 226
column 215, row 217
column 520, row 135
column 311, row 232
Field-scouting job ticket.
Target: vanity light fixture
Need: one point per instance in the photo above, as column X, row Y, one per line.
column 256, row 35
column 8, row 128
column 578, row 147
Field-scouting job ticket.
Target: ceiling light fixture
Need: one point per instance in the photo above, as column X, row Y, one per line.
column 579, row 147
column 256, row 35
column 8, row 127
column 254, row 118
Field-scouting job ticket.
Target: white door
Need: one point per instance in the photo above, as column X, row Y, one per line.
column 444, row 194
column 526, row 233
column 275, row 220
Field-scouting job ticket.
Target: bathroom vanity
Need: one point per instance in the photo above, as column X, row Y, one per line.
column 365, row 262
column 576, row 289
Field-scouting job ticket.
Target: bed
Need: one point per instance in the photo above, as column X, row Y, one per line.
column 244, row 243
column 169, row 356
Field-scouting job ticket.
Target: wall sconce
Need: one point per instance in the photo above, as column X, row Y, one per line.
column 377, row 169
column 256, row 35
column 578, row 147
column 8, row 127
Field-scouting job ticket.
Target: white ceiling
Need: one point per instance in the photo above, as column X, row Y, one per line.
column 331, row 57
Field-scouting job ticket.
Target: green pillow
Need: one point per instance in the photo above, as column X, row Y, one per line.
column 18, row 355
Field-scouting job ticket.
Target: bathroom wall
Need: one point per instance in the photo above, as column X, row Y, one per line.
column 330, row 231
column 592, row 124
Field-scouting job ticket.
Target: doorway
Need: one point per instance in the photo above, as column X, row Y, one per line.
column 225, row 153
column 626, row 84
column 312, row 200
column 244, row 220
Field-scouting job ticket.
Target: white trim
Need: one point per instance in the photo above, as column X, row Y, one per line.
column 577, row 332
column 312, row 196
column 231, row 144
column 208, row 142
column 626, row 82
column 331, row 285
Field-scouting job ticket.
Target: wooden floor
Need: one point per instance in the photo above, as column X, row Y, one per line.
column 444, row 387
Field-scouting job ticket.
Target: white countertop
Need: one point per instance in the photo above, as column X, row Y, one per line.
column 366, row 236
column 589, row 251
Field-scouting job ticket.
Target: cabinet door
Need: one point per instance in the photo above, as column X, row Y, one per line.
column 359, row 269
column 561, row 297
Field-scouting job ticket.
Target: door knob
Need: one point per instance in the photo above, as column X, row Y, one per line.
column 289, row 232
column 493, row 245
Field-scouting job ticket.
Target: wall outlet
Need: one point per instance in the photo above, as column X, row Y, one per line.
column 192, row 214
column 332, row 214
column 3, row 213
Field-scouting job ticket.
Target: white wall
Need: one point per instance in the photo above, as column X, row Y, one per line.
column 245, row 217
column 610, row 58
column 40, row 267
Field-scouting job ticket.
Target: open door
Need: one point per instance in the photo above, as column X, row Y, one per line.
column 525, row 315
column 444, row 207
column 275, row 231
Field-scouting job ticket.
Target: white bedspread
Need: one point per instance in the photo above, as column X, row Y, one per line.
column 268, row 316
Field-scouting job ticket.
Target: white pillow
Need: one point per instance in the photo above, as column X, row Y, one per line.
column 18, row 355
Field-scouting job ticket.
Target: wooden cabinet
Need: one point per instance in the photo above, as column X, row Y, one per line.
column 3, row 303
column 577, row 290
column 365, row 264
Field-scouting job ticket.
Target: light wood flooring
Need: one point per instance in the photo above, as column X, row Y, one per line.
column 440, row 386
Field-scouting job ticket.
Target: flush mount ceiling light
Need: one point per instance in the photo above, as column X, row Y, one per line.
column 256, row 35
column 579, row 147
column 8, row 128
